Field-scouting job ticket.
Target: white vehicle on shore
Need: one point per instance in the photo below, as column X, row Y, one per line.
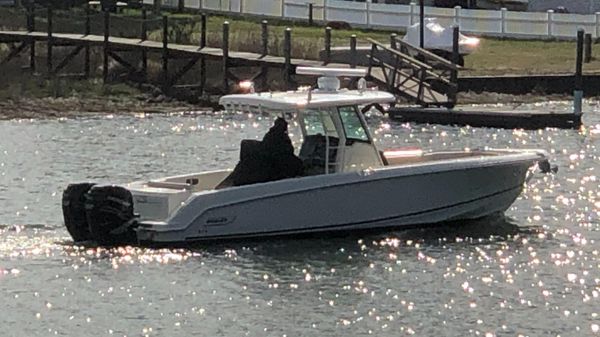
column 337, row 181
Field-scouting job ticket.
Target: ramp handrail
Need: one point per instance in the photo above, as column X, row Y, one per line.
column 411, row 78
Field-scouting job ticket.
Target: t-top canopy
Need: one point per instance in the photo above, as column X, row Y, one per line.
column 294, row 100
column 331, row 72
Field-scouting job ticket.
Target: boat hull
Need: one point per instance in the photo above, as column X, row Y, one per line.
column 368, row 200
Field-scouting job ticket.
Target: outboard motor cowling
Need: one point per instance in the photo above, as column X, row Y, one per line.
column 109, row 213
column 73, row 206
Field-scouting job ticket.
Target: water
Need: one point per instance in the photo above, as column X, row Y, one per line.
column 535, row 273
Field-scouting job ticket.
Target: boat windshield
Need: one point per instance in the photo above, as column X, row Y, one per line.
column 318, row 122
column 353, row 127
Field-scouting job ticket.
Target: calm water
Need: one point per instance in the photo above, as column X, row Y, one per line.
column 535, row 273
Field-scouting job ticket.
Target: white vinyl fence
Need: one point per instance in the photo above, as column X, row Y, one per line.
column 502, row 23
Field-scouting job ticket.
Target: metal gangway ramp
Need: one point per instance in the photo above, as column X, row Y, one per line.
column 413, row 73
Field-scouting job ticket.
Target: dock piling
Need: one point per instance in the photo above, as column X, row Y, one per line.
column 264, row 37
column 165, row 51
column 578, row 90
column 144, row 37
column 87, row 31
column 588, row 48
column 327, row 45
column 225, row 56
column 31, row 28
column 452, row 93
column 353, row 53
column 202, row 59
column 50, row 42
column 106, row 46
column 287, row 52
column 264, row 69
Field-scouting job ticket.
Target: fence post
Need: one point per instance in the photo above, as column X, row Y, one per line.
column 310, row 13
column 106, row 46
column 578, row 90
column 225, row 56
column 411, row 20
column 503, row 21
column 165, row 51
column 49, row 65
column 588, row 48
column 457, row 15
column 550, row 18
column 287, row 52
column 327, row 45
column 31, row 28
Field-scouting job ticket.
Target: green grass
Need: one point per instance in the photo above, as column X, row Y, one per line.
column 494, row 57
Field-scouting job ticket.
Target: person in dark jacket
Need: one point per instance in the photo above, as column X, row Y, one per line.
column 267, row 160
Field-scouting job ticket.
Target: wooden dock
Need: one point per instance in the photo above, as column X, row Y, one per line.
column 405, row 76
column 478, row 117
column 409, row 72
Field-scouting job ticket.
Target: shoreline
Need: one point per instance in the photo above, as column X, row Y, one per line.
column 94, row 105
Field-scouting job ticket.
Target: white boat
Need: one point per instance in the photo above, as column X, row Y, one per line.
column 336, row 181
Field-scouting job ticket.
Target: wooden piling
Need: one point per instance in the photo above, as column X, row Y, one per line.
column 144, row 37
column 203, row 30
column 264, row 69
column 452, row 93
column 588, row 48
column 353, row 53
column 393, row 37
column 50, row 41
column 578, row 89
column 202, row 59
column 327, row 45
column 287, row 53
column 264, row 37
column 31, row 28
column 106, row 46
column 310, row 13
column 421, row 23
column 87, row 31
column 225, row 56
column 165, row 52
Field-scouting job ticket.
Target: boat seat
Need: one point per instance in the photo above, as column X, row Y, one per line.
column 312, row 153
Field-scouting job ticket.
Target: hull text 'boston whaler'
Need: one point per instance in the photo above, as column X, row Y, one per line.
column 336, row 181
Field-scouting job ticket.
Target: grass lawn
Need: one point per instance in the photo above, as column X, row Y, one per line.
column 494, row 56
